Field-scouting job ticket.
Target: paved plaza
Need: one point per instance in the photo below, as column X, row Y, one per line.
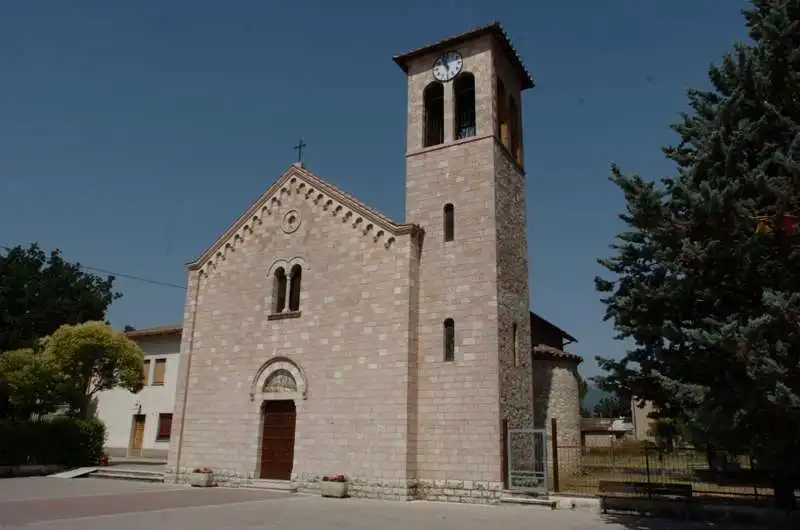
column 94, row 504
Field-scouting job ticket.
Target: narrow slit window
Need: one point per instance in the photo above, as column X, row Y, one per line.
column 515, row 343
column 502, row 113
column 279, row 291
column 449, row 340
column 294, row 290
column 514, row 130
column 464, row 90
column 449, row 222
column 433, row 97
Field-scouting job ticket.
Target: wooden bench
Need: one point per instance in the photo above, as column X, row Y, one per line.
column 610, row 489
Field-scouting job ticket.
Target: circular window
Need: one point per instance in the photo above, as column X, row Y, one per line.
column 291, row 221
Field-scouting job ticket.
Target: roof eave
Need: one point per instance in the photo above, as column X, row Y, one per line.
column 563, row 333
column 495, row 29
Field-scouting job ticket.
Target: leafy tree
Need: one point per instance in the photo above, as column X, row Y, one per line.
column 30, row 382
column 707, row 274
column 93, row 357
column 128, row 327
column 38, row 293
column 583, row 390
column 665, row 432
column 612, row 407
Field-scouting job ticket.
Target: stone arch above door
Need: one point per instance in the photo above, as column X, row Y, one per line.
column 279, row 378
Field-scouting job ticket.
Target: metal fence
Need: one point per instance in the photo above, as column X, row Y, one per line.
column 527, row 459
column 579, row 469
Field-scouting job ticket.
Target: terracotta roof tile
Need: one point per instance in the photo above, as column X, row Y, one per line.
column 542, row 351
column 155, row 331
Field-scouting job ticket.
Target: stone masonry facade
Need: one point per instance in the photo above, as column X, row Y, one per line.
column 375, row 398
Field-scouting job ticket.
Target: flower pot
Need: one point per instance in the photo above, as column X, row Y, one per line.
column 333, row 489
column 201, row 479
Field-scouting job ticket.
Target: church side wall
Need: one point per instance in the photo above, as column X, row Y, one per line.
column 175, row 441
column 351, row 342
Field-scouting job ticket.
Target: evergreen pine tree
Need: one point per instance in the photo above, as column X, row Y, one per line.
column 707, row 275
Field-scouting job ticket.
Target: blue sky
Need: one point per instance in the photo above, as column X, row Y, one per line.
column 133, row 133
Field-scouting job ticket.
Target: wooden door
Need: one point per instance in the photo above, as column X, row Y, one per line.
column 277, row 439
column 137, row 434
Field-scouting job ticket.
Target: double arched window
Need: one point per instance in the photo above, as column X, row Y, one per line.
column 286, row 288
column 464, row 124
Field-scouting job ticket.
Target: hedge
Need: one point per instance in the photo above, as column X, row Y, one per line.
column 59, row 440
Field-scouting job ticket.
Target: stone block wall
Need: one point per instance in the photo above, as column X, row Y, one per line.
column 350, row 337
column 458, row 428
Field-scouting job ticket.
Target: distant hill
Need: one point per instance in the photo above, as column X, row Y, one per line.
column 593, row 397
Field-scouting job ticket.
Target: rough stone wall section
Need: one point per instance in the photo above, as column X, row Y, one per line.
column 514, row 334
column 350, row 337
column 556, row 395
column 458, row 437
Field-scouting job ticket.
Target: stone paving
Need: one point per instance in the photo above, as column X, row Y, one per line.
column 95, row 504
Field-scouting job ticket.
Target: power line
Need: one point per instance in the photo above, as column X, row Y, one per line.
column 123, row 275
column 132, row 277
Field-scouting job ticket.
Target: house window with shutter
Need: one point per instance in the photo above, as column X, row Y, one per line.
column 160, row 372
column 146, row 372
column 164, row 427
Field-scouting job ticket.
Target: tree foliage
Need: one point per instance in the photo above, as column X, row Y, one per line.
column 583, row 390
column 30, row 382
column 612, row 407
column 93, row 357
column 38, row 293
column 711, row 304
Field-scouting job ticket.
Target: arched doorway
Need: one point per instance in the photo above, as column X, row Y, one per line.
column 278, row 420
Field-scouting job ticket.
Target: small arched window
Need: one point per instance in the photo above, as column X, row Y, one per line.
column 294, row 290
column 449, row 222
column 433, row 97
column 279, row 290
column 464, row 90
column 449, row 340
column 514, row 131
column 502, row 113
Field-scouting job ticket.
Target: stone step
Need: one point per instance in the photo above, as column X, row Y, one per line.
column 530, row 498
column 272, row 485
column 141, row 475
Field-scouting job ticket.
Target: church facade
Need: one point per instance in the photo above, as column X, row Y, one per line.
column 321, row 337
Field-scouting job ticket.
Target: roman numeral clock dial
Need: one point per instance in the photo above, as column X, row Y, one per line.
column 447, row 66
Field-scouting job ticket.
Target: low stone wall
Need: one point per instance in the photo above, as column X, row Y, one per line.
column 359, row 487
column 464, row 491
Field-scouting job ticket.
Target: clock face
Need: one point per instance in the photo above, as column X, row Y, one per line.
column 447, row 66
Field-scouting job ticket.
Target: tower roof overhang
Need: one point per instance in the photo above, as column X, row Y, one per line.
column 494, row 29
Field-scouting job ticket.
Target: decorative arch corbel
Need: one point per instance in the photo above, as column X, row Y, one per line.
column 280, row 364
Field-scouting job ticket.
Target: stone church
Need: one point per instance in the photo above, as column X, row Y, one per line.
column 321, row 337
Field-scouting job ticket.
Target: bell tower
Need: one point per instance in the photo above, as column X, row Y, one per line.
column 465, row 186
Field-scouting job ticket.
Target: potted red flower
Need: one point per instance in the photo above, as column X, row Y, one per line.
column 201, row 477
column 334, row 486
